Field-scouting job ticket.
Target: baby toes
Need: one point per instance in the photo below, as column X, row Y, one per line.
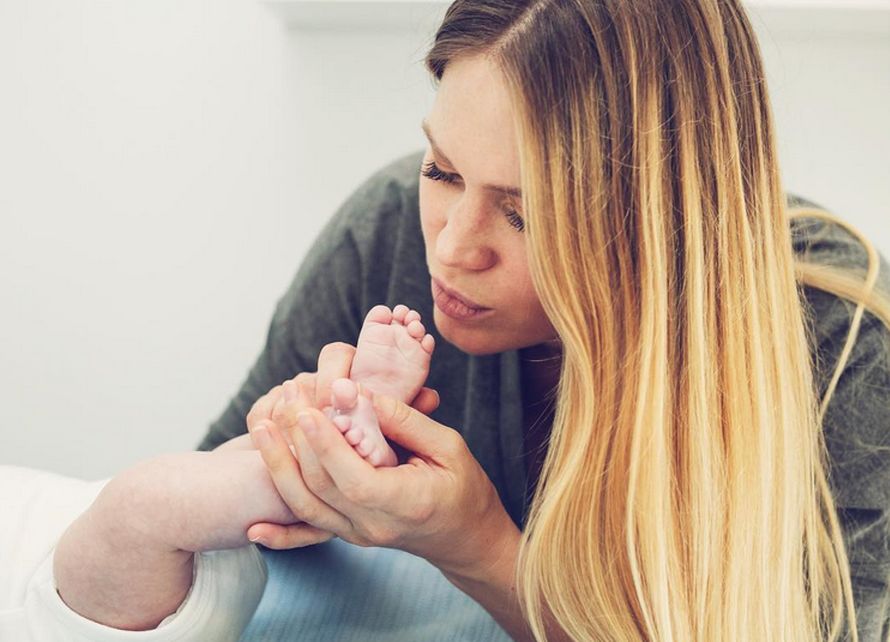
column 354, row 435
column 413, row 315
column 399, row 312
column 365, row 447
column 428, row 343
column 343, row 422
column 384, row 456
column 416, row 329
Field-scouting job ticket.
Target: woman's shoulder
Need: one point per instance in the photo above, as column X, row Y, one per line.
column 374, row 226
column 830, row 243
column 817, row 240
column 856, row 424
column 384, row 201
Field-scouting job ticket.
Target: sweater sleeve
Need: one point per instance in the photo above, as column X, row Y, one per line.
column 227, row 588
column 856, row 424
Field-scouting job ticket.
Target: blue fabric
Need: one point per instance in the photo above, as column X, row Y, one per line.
column 336, row 591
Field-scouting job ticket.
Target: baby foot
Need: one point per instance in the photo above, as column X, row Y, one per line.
column 354, row 415
column 392, row 358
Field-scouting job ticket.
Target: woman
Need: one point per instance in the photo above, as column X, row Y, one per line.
column 690, row 325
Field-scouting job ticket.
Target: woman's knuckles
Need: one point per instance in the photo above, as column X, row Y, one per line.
column 382, row 535
column 261, row 407
column 307, row 513
column 356, row 493
column 319, row 482
column 420, row 515
column 305, row 381
column 455, row 445
column 284, row 414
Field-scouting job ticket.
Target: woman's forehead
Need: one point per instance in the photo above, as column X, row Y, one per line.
column 472, row 124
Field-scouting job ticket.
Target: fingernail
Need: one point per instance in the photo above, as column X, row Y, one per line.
column 262, row 437
column 258, row 540
column 307, row 422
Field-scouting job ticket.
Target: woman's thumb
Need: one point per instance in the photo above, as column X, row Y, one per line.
column 407, row 426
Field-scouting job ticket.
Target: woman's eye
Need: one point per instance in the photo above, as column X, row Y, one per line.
column 515, row 220
column 431, row 170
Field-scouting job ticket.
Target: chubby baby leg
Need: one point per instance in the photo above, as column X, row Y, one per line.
column 127, row 561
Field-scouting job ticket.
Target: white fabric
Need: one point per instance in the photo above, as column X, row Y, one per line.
column 36, row 508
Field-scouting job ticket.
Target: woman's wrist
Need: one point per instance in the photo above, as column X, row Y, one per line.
column 486, row 549
column 493, row 585
column 492, row 580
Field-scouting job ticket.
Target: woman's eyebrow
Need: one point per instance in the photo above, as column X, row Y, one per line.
column 510, row 191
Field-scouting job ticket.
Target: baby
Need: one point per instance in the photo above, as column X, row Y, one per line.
column 129, row 561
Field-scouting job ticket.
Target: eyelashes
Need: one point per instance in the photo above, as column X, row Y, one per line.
column 431, row 171
column 514, row 219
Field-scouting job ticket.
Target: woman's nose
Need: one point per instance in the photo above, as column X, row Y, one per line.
column 463, row 242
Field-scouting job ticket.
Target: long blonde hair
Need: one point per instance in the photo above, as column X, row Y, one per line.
column 683, row 495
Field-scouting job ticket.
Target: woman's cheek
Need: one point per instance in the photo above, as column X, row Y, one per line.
column 432, row 218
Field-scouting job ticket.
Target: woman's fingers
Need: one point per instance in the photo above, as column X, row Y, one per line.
column 426, row 401
column 273, row 404
column 285, row 472
column 416, row 432
column 280, row 537
column 290, row 388
column 334, row 362
column 331, row 467
column 262, row 407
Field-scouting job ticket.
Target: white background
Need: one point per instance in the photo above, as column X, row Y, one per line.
column 164, row 165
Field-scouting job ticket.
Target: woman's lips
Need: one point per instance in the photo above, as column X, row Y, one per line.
column 455, row 306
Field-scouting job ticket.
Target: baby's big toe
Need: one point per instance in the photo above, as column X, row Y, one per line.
column 344, row 394
column 379, row 314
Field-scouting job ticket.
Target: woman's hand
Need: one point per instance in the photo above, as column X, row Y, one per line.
column 277, row 407
column 439, row 505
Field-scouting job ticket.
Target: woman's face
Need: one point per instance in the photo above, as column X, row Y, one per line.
column 473, row 230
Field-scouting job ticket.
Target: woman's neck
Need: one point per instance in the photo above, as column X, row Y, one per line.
column 540, row 366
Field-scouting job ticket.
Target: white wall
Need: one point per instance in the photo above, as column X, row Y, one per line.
column 164, row 165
